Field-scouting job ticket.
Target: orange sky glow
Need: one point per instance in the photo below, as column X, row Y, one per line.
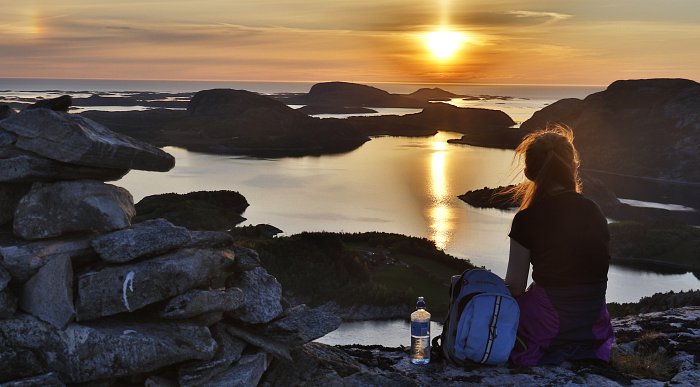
column 591, row 42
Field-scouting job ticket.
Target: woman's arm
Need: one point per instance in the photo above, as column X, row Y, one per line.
column 518, row 268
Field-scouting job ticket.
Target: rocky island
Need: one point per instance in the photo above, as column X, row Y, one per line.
column 226, row 121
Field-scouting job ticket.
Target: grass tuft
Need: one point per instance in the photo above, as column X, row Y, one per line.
column 651, row 365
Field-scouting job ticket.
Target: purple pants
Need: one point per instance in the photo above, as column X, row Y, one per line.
column 563, row 323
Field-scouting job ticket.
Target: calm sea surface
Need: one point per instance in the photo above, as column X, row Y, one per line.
column 392, row 184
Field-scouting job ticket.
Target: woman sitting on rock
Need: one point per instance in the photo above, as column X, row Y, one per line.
column 563, row 314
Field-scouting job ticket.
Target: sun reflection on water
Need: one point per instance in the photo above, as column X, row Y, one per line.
column 440, row 213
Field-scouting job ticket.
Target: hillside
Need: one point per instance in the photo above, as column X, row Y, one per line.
column 648, row 127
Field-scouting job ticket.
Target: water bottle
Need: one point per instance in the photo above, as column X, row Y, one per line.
column 420, row 334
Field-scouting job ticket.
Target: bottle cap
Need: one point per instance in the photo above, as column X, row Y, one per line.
column 421, row 303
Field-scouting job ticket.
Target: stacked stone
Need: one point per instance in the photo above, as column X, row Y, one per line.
column 87, row 296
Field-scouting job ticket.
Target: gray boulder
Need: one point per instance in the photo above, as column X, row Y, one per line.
column 245, row 373
column 8, row 304
column 199, row 373
column 48, row 295
column 267, row 344
column 314, row 363
column 159, row 381
column 149, row 238
column 246, row 259
column 10, row 194
column 79, row 140
column 206, row 319
column 28, row 168
column 109, row 349
column 29, row 347
column 197, row 302
column 262, row 297
column 23, row 259
column 301, row 324
column 103, row 350
column 50, row 379
column 6, row 111
column 5, row 278
column 130, row 287
column 51, row 209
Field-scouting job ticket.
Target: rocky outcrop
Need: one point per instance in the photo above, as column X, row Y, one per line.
column 490, row 198
column 427, row 94
column 77, row 140
column 104, row 301
column 43, row 143
column 651, row 350
column 53, row 209
column 18, row 167
column 147, row 282
column 22, row 259
column 200, row 210
column 647, row 127
column 434, row 116
column 6, row 111
column 198, row 302
column 264, row 303
column 353, row 94
column 48, row 295
column 232, row 103
column 10, row 195
column 58, row 104
column 151, row 237
column 463, row 120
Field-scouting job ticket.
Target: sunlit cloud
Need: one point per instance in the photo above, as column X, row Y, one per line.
column 354, row 40
column 549, row 17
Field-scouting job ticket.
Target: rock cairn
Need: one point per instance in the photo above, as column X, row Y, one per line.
column 87, row 296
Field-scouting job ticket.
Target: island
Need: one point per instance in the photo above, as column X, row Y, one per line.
column 229, row 121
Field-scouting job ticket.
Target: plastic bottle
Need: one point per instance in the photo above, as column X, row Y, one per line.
column 420, row 334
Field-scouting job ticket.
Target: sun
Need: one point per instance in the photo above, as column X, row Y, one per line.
column 444, row 44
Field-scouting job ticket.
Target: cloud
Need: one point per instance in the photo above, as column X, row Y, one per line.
column 549, row 17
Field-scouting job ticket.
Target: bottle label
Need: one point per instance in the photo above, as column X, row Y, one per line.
column 420, row 328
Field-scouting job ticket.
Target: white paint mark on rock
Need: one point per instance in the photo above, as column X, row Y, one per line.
column 128, row 283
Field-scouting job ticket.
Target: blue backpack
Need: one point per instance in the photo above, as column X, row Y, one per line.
column 482, row 320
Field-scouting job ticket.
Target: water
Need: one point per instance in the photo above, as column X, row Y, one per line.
column 390, row 333
column 663, row 206
column 420, row 349
column 391, row 184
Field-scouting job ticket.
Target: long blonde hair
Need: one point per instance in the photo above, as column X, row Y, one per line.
column 550, row 160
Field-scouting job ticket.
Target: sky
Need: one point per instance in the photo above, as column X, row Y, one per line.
column 570, row 42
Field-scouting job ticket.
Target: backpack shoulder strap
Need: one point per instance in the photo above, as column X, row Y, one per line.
column 436, row 349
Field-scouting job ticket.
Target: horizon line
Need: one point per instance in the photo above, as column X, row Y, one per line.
column 315, row 81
